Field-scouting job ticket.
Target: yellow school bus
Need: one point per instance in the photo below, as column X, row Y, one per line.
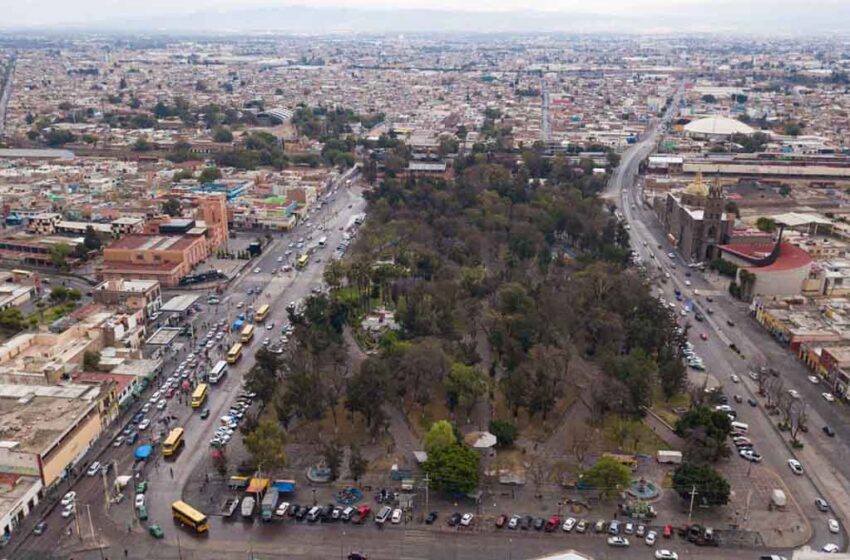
column 234, row 353
column 189, row 516
column 173, row 442
column 262, row 313
column 200, row 395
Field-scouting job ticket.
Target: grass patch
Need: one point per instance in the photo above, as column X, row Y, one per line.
column 54, row 313
column 665, row 408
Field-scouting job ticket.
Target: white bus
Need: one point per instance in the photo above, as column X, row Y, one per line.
column 218, row 371
column 323, row 241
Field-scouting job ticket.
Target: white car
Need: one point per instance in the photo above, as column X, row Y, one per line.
column 466, row 520
column 140, row 500
column 830, row 548
column 68, row 511
column 828, row 397
column 569, row 523
column 833, row 526
column 735, row 378
column 143, row 425
column 814, row 380
column 687, row 282
column 396, row 518
column 618, row 541
column 794, row 394
column 651, row 537
column 69, row 498
column 118, row 441
column 94, row 469
column 161, row 404
column 664, row 554
column 795, row 466
column 513, row 522
column 281, row 509
column 258, row 270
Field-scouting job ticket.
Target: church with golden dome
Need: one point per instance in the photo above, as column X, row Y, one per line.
column 696, row 219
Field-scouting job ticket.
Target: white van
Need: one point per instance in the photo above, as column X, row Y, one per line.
column 383, row 515
column 313, row 514
column 740, row 427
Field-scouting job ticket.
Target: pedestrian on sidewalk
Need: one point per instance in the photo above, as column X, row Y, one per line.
column 171, row 472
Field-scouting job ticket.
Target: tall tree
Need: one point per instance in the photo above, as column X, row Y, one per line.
column 440, row 435
column 464, row 386
column 265, row 444
column 608, row 476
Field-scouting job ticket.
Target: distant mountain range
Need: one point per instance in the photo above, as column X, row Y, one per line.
column 717, row 16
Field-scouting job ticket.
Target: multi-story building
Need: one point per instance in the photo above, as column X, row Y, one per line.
column 696, row 220
column 157, row 257
column 134, row 294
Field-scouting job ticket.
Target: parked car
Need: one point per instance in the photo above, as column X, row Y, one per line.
column 466, row 520
column 553, row 523
column 829, row 431
column 501, row 521
column 396, row 517
column 833, row 525
column 651, row 537
column 69, row 498
column 39, row 528
column 513, row 522
column 454, row 519
column 568, row 525
column 94, row 469
column 664, row 554
column 581, row 526
column 821, row 504
column 140, row 500
column 539, row 522
column 830, row 548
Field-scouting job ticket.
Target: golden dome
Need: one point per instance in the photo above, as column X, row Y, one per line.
column 697, row 187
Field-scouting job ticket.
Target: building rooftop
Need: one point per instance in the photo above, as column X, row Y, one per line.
column 37, row 416
column 179, row 304
column 790, row 256
column 151, row 243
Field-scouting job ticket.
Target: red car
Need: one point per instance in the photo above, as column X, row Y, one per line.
column 553, row 523
column 703, row 336
column 501, row 520
column 361, row 515
column 668, row 531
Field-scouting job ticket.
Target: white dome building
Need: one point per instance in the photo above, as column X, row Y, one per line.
column 717, row 128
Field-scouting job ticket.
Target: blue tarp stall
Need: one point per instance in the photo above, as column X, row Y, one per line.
column 284, row 486
column 143, row 452
column 237, row 324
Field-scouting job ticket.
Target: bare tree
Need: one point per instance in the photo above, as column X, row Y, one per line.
column 580, row 442
column 537, row 470
column 785, row 404
column 773, row 390
column 797, row 419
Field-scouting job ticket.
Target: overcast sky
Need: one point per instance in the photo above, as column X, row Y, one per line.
column 59, row 12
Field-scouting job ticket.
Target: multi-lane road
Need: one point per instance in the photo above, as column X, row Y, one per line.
column 167, row 479
column 823, row 457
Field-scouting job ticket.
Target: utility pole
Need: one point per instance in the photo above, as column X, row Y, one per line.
column 427, row 481
column 691, row 507
column 105, row 487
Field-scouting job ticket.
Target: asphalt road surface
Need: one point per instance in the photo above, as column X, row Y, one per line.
column 649, row 241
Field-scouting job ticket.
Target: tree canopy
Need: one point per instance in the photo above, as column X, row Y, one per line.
column 454, row 468
column 710, row 487
column 440, row 435
column 608, row 476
